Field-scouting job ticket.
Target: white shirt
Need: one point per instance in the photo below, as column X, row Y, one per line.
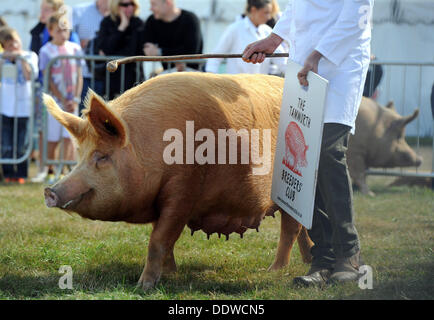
column 16, row 91
column 234, row 40
column 340, row 30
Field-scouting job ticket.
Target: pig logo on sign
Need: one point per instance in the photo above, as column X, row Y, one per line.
column 295, row 149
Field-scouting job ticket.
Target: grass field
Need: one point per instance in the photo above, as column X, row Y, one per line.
column 396, row 229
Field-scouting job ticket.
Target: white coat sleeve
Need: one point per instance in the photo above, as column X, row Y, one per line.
column 224, row 46
column 347, row 32
column 283, row 25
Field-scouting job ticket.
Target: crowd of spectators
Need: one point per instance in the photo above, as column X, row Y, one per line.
column 103, row 28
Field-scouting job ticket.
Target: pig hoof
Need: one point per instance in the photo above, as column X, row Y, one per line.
column 276, row 266
column 146, row 285
column 147, row 282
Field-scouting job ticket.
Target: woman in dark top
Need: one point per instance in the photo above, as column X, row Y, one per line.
column 119, row 35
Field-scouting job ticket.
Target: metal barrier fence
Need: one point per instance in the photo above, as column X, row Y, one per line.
column 388, row 89
column 10, row 75
column 409, row 85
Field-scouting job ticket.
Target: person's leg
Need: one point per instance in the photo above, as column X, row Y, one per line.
column 338, row 200
column 22, row 145
column 51, row 150
column 54, row 136
column 7, row 146
column 337, row 190
column 323, row 257
column 69, row 149
column 320, row 233
column 38, row 129
column 42, row 170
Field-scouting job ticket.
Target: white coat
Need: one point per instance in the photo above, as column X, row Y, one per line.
column 340, row 30
column 235, row 38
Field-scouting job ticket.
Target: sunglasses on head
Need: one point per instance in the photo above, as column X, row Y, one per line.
column 127, row 4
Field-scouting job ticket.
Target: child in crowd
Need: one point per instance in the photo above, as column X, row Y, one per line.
column 16, row 70
column 66, row 82
column 39, row 37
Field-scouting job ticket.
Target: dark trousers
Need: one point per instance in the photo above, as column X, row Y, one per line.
column 7, row 146
column 333, row 230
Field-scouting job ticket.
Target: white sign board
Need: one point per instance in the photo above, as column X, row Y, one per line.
column 299, row 144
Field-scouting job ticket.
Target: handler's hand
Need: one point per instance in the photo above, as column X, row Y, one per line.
column 125, row 21
column 311, row 63
column 256, row 51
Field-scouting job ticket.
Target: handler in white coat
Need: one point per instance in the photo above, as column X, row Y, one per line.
column 331, row 38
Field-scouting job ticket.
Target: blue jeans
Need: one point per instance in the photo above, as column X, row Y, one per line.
column 7, row 146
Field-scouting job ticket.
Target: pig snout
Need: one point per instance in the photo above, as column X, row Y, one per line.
column 51, row 198
column 409, row 158
column 67, row 194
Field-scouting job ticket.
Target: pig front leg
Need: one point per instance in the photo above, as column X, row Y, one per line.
column 160, row 251
column 357, row 169
column 359, row 181
column 169, row 264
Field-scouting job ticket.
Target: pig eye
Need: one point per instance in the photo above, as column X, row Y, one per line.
column 100, row 159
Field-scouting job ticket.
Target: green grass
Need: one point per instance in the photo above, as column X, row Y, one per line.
column 396, row 229
column 423, row 141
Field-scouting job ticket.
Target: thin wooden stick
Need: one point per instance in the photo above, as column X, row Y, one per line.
column 112, row 66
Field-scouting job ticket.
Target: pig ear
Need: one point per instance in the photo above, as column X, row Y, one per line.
column 406, row 120
column 71, row 122
column 106, row 122
column 390, row 105
column 403, row 121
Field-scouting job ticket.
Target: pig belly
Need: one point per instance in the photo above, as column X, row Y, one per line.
column 225, row 224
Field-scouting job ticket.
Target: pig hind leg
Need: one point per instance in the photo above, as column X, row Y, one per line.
column 289, row 231
column 305, row 244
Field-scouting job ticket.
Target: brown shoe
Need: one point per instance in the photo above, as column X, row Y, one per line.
column 346, row 269
column 316, row 276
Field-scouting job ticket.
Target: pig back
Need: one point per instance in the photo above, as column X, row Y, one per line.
column 211, row 101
